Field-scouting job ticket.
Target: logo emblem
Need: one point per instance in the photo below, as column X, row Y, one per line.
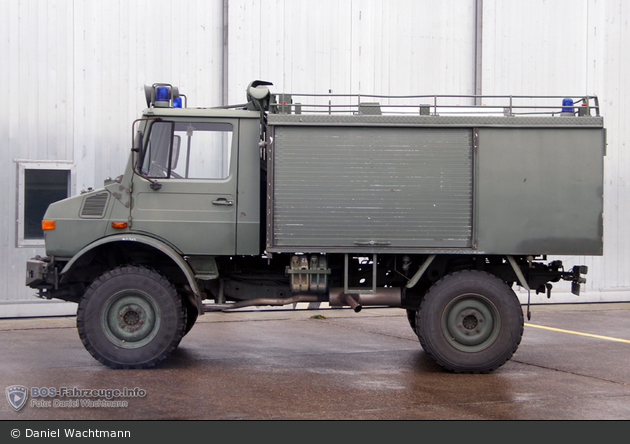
column 17, row 395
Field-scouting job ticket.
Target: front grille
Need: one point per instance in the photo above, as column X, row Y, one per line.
column 94, row 205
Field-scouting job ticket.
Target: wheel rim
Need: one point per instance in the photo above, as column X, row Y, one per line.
column 131, row 319
column 471, row 322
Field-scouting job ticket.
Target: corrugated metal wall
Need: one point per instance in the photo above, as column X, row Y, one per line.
column 398, row 47
column 574, row 47
column 73, row 76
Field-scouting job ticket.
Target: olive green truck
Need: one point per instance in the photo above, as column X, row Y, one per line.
column 422, row 203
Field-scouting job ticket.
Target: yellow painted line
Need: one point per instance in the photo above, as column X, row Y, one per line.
column 578, row 333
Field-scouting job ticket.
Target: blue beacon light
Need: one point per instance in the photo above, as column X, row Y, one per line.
column 567, row 102
column 161, row 94
column 177, row 102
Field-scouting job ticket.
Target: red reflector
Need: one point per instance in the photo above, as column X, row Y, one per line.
column 48, row 225
column 119, row 224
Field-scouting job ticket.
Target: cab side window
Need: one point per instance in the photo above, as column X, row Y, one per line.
column 155, row 161
column 188, row 150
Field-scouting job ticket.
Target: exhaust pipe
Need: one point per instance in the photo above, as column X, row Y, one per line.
column 352, row 303
column 391, row 297
column 262, row 301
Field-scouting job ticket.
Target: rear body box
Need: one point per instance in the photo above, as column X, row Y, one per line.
column 435, row 184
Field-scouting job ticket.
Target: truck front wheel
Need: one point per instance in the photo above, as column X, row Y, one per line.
column 470, row 322
column 131, row 317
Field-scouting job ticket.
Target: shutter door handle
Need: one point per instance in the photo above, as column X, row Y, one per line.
column 372, row 243
column 223, row 201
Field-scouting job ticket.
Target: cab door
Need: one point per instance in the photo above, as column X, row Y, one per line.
column 185, row 192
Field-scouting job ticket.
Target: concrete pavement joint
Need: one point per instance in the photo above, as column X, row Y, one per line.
column 350, row 327
column 571, row 373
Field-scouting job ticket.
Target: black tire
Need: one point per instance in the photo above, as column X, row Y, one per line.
column 131, row 317
column 411, row 317
column 470, row 322
column 191, row 316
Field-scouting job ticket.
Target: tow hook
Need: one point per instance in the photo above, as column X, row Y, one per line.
column 577, row 278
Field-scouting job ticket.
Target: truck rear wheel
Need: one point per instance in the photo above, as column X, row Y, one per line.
column 131, row 317
column 470, row 322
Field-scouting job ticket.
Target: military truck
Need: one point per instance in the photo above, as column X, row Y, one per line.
column 439, row 205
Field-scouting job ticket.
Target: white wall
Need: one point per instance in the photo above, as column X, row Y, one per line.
column 573, row 47
column 72, row 78
column 73, row 75
column 398, row 47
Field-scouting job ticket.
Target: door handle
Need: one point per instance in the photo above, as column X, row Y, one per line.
column 372, row 243
column 223, row 201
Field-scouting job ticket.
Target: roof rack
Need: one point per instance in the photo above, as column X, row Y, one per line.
column 434, row 105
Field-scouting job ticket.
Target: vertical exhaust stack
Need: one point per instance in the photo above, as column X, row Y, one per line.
column 258, row 95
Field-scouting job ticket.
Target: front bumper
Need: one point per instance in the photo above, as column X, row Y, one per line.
column 41, row 273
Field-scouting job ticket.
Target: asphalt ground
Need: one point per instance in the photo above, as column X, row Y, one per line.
column 331, row 364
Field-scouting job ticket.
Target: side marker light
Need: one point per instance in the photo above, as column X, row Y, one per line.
column 48, row 225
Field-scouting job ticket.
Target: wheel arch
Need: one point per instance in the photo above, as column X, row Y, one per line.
column 435, row 267
column 171, row 259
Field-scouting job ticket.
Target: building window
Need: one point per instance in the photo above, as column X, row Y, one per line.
column 39, row 184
